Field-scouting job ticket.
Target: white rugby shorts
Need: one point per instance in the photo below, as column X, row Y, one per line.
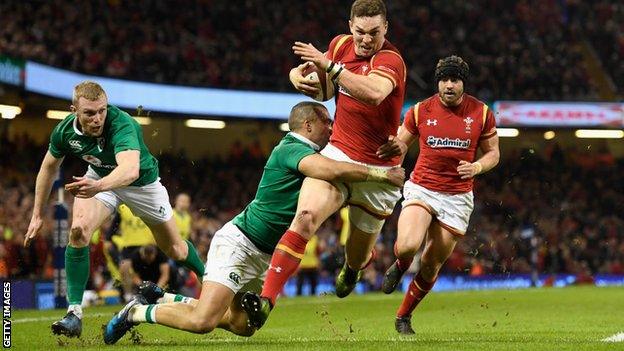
column 234, row 261
column 451, row 210
column 371, row 202
column 149, row 202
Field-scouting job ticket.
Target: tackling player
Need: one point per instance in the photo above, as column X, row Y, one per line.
column 240, row 251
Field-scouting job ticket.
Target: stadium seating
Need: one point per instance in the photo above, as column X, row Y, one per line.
column 517, row 50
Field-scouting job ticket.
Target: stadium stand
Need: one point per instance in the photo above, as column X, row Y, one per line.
column 536, row 46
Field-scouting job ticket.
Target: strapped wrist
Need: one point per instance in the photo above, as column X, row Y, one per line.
column 334, row 70
column 376, row 174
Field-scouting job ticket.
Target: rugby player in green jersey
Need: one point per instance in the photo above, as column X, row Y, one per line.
column 241, row 250
column 121, row 170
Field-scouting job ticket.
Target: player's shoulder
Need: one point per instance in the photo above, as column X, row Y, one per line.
column 388, row 51
column 66, row 124
column 289, row 141
column 473, row 101
column 388, row 46
column 429, row 104
column 339, row 45
column 117, row 114
column 65, row 128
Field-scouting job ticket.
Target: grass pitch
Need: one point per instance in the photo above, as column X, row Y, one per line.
column 575, row 318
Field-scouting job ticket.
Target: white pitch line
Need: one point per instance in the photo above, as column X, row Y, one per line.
column 43, row 319
column 619, row 337
column 284, row 302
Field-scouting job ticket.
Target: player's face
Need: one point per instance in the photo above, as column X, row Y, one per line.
column 451, row 91
column 91, row 115
column 321, row 128
column 368, row 34
column 183, row 202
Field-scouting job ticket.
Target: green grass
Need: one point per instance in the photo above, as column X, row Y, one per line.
column 574, row 318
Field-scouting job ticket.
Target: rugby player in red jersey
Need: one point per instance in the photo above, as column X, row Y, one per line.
column 370, row 76
column 438, row 199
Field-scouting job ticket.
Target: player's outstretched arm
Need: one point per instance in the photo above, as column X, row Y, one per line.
column 43, row 186
column 320, row 167
column 126, row 172
column 489, row 159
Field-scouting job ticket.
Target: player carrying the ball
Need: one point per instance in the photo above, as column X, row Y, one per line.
column 438, row 199
column 370, row 76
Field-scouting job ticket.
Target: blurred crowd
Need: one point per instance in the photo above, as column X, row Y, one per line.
column 603, row 22
column 555, row 211
column 522, row 50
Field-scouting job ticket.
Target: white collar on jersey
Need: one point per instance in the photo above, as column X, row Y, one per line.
column 306, row 140
column 76, row 126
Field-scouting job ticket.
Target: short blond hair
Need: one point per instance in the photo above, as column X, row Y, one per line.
column 89, row 90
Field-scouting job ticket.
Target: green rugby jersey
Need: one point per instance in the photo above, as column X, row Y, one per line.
column 267, row 217
column 121, row 132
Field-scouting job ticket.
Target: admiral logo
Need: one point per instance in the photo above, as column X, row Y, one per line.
column 456, row 143
column 364, row 69
column 432, row 122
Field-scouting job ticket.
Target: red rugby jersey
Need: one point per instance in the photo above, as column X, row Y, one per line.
column 447, row 135
column 359, row 128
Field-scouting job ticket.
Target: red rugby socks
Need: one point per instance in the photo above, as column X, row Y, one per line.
column 284, row 263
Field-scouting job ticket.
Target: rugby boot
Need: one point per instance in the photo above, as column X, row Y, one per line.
column 257, row 307
column 403, row 325
column 347, row 280
column 392, row 278
column 70, row 326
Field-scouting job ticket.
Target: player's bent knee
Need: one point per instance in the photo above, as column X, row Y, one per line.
column 78, row 235
column 305, row 222
column 203, row 325
column 404, row 249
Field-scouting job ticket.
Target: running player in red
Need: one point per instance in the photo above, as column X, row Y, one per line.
column 370, row 76
column 449, row 127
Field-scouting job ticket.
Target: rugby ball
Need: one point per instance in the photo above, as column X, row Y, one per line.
column 320, row 79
